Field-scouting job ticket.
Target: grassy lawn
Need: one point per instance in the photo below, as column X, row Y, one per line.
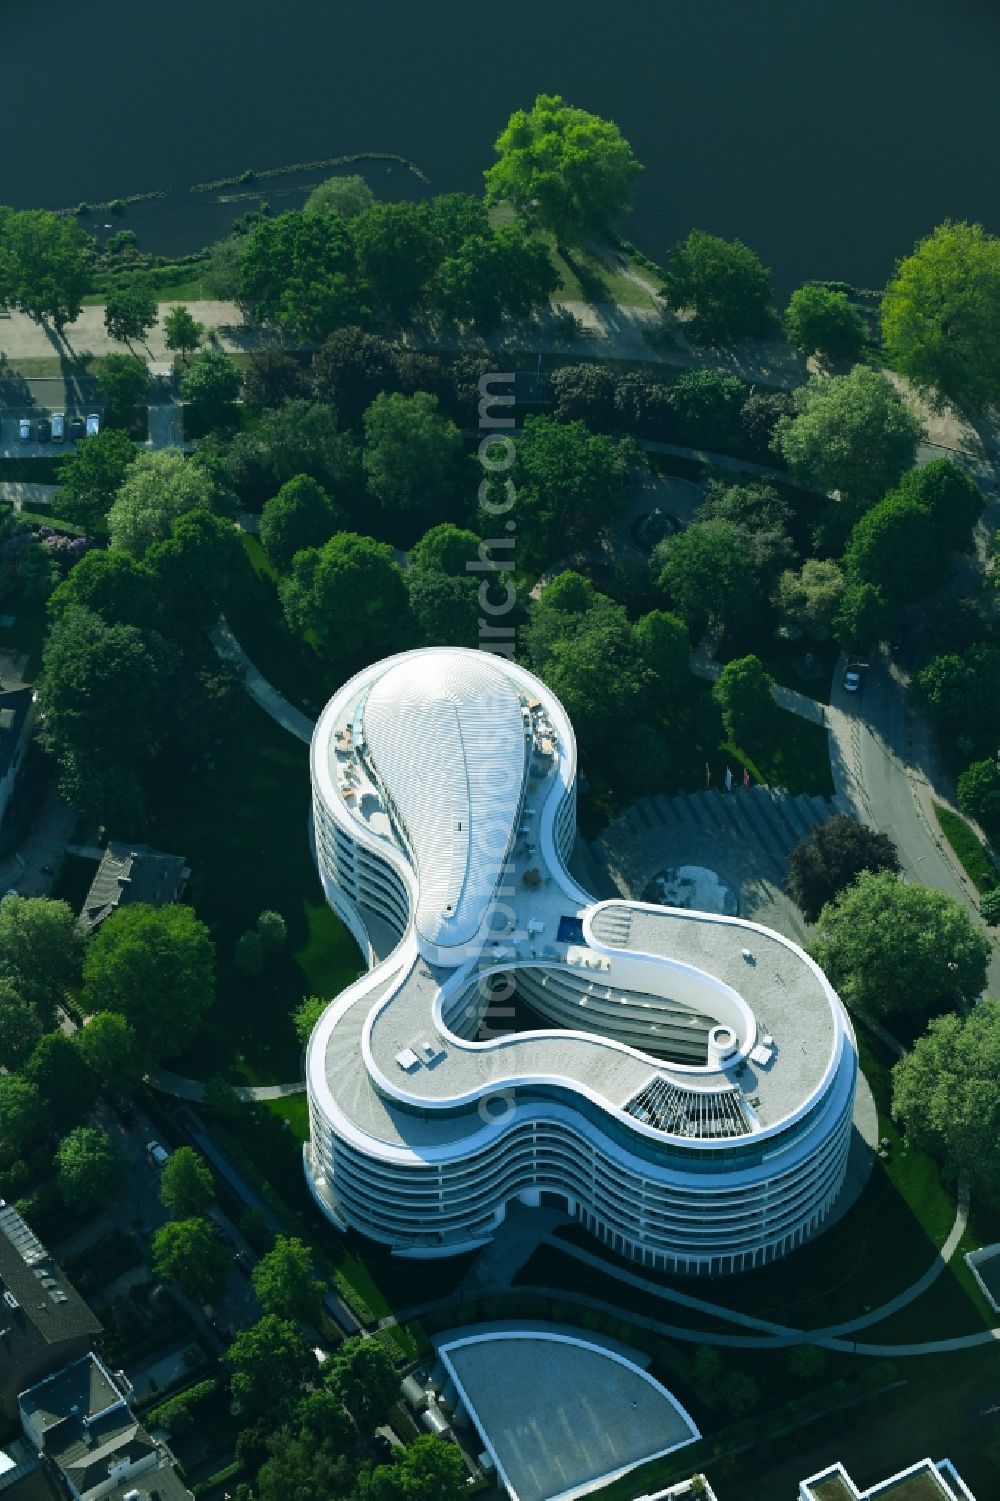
column 968, row 848
column 585, row 277
column 242, row 825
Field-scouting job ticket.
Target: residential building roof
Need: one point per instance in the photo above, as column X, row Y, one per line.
column 132, row 873
column 38, row 1305
column 15, row 706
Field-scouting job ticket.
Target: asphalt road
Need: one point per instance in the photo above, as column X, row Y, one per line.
column 889, row 753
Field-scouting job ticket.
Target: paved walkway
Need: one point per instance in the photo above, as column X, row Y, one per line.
column 23, row 494
column 183, row 1088
column 260, row 690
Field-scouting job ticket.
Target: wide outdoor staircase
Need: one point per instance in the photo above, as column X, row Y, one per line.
column 774, row 819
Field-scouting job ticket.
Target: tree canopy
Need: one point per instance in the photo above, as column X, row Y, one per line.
column 91, row 476
column 429, row 1469
column 345, row 196
column 89, row 1171
column 156, row 967
column 812, row 597
column 210, row 384
column 819, row 319
column 824, row 864
column 285, row 1281
column 110, row 1047
column 954, row 500
column 298, row 270
column 350, row 368
column 851, row 433
column 130, row 311
column 894, row 547
column 66, row 1083
column 744, row 692
column 122, row 382
column 186, row 1184
column 187, row 1253
column 496, row 274
column 941, row 316
column 397, row 253
column 351, row 593
column 571, row 486
column 269, row 378
column 412, row 454
column 20, row 1026
column 564, row 169
column 901, row 951
column 707, row 575
column 45, row 265
column 181, row 330
column 362, row 1375
column 269, row 1364
column 157, row 488
column 947, row 1093
column 22, row 1115
column 726, row 284
column 40, row 949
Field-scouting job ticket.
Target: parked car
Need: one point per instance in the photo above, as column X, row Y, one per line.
column 24, row 429
column 77, row 428
column 852, row 678
column 93, row 424
column 58, row 426
column 158, row 1153
column 242, row 1263
column 43, row 432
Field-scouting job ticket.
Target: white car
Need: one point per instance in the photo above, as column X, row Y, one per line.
column 852, row 680
column 93, row 424
column 158, row 1153
column 58, row 426
column 24, row 429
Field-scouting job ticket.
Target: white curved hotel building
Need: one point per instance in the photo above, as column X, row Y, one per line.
column 682, row 1083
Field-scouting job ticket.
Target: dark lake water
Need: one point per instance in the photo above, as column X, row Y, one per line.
column 828, row 136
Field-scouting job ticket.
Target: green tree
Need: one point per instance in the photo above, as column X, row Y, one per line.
column 122, row 384
column 571, row 487
column 109, row 584
column 955, row 502
column 893, row 547
column 759, row 416
column 941, row 316
column 306, row 1014
column 744, row 692
column 820, row 320
column 104, row 696
column 269, row 378
column 285, row 1281
column 20, row 1026
column 301, row 1469
column 495, row 275
column 946, row 1090
column 412, row 453
column 156, row 967
column 182, row 330
column 823, row 865
column 564, row 169
column 221, row 274
column 979, row 792
column 397, row 253
column 273, row 931
column 301, row 515
column 445, row 548
column 46, row 265
column 89, row 1171
column 248, row 954
column 901, row 951
column 157, row 489
column 345, row 196
column 851, row 433
column 585, row 393
column 429, row 1469
column 760, row 516
column 812, row 598
column 445, row 609
column 22, row 1115
column 39, row 949
column 707, row 576
column 583, row 646
column 185, row 1252
column 862, row 618
column 806, row 1362
column 195, row 571
column 66, row 1083
column 664, row 650
column 298, row 270
column 362, row 1376
column 130, row 311
column 351, row 593
column 269, row 1364
column 186, row 1184
column 210, row 384
column 91, row 475
column 706, row 405
column 989, row 906
column 110, row 1047
column 298, row 437
column 945, row 687
column 350, row 368
column 725, row 283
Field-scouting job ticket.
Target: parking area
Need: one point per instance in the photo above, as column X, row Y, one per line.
column 39, row 420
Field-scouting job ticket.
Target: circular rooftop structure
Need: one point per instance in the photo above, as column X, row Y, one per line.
column 686, row 1060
